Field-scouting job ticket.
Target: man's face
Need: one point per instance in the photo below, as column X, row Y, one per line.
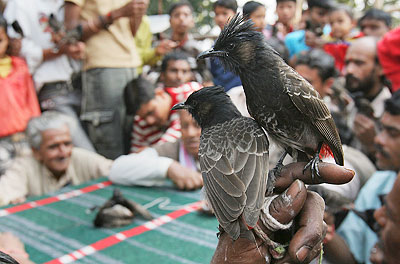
column 177, row 73
column 191, row 132
column 181, row 20
column 222, row 15
column 373, row 27
column 312, row 76
column 361, row 70
column 388, row 143
column 55, row 150
column 258, row 17
column 3, row 42
column 156, row 111
column 285, row 11
column 388, row 217
column 319, row 15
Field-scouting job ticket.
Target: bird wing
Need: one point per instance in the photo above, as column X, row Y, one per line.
column 234, row 164
column 308, row 101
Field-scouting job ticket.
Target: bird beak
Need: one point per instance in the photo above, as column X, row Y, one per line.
column 179, row 106
column 211, row 53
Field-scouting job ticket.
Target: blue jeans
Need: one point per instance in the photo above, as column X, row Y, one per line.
column 61, row 97
column 103, row 108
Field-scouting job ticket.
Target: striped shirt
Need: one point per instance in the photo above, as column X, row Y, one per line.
column 144, row 135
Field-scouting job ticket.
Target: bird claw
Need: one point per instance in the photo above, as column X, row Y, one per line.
column 313, row 165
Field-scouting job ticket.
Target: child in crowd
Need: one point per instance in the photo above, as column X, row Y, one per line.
column 224, row 10
column 256, row 12
column 286, row 11
column 343, row 31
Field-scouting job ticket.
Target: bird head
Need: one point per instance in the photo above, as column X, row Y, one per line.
column 237, row 45
column 209, row 106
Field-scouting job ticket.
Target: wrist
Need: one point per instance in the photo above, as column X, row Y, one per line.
column 106, row 20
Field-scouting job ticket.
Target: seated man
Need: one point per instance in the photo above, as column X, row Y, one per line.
column 53, row 162
column 154, row 122
column 177, row 161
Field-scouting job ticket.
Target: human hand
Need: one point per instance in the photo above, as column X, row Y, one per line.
column 184, row 178
column 18, row 200
column 306, row 242
column 165, row 46
column 312, row 40
column 74, row 50
column 15, row 45
column 13, row 246
column 364, row 129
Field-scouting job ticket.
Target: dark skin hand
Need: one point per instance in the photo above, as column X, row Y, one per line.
column 294, row 202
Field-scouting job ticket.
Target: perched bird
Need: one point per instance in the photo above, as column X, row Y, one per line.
column 233, row 157
column 278, row 98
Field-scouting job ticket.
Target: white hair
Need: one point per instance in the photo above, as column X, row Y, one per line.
column 48, row 120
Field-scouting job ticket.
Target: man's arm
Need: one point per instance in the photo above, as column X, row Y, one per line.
column 147, row 168
column 134, row 10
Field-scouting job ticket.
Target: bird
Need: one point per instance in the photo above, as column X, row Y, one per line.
column 281, row 101
column 233, row 157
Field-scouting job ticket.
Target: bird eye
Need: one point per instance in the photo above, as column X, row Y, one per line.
column 231, row 46
column 194, row 103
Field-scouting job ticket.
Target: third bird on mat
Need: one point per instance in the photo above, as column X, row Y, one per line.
column 233, row 157
column 277, row 97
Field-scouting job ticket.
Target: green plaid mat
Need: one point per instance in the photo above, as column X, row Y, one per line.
column 60, row 228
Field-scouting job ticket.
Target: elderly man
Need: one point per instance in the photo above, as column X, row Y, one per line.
column 53, row 162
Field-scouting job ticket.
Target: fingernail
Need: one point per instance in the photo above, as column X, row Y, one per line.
column 350, row 170
column 302, row 253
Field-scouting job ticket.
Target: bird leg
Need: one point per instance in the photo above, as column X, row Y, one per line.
column 313, row 165
column 279, row 165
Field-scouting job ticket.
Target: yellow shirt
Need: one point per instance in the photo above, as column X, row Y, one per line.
column 111, row 48
column 143, row 41
column 5, row 66
column 28, row 177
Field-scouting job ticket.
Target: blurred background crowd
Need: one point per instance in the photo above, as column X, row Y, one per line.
column 105, row 74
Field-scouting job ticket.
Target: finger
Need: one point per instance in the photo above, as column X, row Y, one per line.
column 288, row 204
column 307, row 241
column 329, row 172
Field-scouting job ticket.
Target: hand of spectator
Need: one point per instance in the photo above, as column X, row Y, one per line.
column 74, row 50
column 13, row 246
column 312, row 40
column 18, row 200
column 364, row 129
column 15, row 45
column 329, row 219
column 165, row 46
column 184, row 178
column 306, row 243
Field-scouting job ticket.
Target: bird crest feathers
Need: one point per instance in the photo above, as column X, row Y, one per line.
column 236, row 25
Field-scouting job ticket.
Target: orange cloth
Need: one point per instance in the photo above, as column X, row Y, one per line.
column 18, row 99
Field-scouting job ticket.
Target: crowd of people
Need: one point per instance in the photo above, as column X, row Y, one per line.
column 86, row 91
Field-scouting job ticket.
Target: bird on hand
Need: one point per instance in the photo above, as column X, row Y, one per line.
column 233, row 157
column 278, row 98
